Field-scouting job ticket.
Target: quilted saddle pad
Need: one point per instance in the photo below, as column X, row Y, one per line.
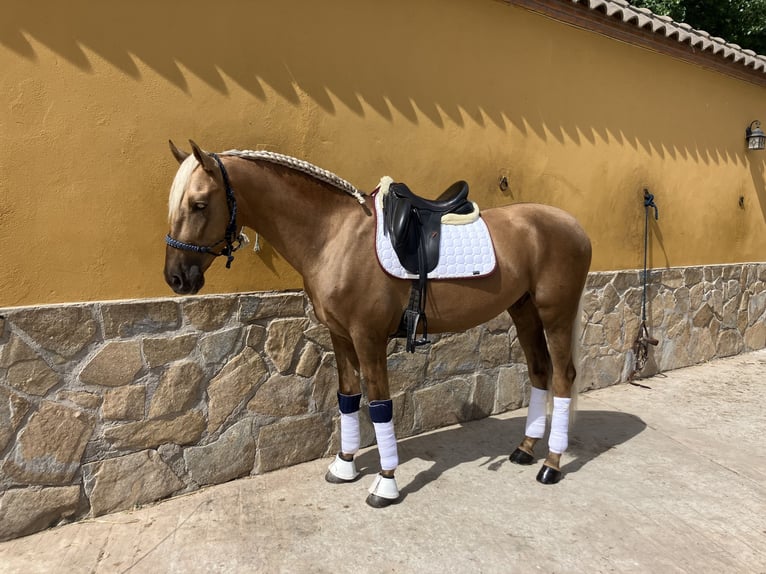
column 465, row 249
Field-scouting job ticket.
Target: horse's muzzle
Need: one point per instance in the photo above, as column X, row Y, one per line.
column 185, row 281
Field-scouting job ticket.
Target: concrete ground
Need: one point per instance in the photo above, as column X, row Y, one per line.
column 669, row 476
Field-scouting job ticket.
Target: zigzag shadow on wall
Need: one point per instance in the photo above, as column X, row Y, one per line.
column 506, row 66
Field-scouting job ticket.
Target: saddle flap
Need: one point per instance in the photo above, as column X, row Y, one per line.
column 430, row 229
column 398, row 212
column 414, row 232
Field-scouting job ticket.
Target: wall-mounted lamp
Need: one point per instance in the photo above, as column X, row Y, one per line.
column 755, row 137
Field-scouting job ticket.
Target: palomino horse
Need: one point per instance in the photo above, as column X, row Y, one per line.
column 311, row 218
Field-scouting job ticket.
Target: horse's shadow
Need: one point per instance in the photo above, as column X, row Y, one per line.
column 489, row 441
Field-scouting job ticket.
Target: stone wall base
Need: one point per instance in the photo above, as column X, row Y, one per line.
column 110, row 405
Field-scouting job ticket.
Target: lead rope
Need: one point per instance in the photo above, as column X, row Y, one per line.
column 643, row 339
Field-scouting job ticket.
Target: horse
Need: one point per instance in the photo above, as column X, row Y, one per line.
column 325, row 229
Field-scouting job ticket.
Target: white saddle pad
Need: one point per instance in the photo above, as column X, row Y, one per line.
column 465, row 250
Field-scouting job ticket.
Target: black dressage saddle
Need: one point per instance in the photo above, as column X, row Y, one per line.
column 413, row 225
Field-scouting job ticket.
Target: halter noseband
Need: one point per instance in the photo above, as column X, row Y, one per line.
column 230, row 238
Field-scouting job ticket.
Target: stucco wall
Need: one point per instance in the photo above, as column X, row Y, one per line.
column 572, row 118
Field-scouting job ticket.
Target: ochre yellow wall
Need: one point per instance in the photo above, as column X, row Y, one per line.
column 427, row 92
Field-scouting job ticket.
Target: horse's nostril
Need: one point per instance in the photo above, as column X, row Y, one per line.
column 176, row 281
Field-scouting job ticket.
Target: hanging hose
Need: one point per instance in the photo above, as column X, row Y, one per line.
column 643, row 339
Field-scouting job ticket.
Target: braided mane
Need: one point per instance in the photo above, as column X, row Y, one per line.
column 302, row 166
column 190, row 163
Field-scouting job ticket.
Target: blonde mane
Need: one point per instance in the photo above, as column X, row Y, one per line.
column 181, row 180
column 177, row 189
column 300, row 165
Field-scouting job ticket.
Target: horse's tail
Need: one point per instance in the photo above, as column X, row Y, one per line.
column 578, row 331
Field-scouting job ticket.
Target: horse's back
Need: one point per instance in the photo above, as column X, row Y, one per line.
column 539, row 228
column 542, row 242
column 537, row 216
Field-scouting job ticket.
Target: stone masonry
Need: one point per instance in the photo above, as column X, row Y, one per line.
column 107, row 406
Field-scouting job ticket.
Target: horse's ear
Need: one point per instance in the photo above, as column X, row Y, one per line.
column 177, row 153
column 204, row 158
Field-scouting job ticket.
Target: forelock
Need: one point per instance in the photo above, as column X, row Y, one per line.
column 180, row 182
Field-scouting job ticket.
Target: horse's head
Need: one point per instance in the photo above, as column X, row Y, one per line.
column 202, row 219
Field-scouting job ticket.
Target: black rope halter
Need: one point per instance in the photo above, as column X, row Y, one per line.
column 232, row 240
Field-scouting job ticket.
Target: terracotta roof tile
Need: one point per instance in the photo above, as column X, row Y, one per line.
column 643, row 18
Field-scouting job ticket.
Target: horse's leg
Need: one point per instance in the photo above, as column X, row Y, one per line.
column 372, row 356
column 343, row 468
column 558, row 329
column 529, row 329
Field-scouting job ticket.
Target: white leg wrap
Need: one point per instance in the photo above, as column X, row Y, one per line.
column 384, row 434
column 559, row 438
column 536, row 413
column 385, row 487
column 350, row 436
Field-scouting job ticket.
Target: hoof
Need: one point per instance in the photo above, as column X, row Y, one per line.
column 379, row 502
column 332, row 479
column 341, row 471
column 518, row 456
column 548, row 475
column 383, row 492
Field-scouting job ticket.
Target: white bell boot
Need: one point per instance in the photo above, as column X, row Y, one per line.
column 341, row 471
column 383, row 492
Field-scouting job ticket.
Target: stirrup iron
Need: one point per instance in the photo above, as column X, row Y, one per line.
column 412, row 319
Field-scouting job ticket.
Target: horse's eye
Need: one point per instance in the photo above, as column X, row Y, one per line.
column 199, row 206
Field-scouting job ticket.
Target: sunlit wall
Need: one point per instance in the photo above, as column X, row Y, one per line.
column 427, row 92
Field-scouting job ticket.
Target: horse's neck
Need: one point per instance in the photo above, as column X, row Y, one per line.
column 300, row 217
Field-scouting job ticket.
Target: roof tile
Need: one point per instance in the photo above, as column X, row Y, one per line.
column 643, row 18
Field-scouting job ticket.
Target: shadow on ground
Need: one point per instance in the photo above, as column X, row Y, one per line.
column 490, row 441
